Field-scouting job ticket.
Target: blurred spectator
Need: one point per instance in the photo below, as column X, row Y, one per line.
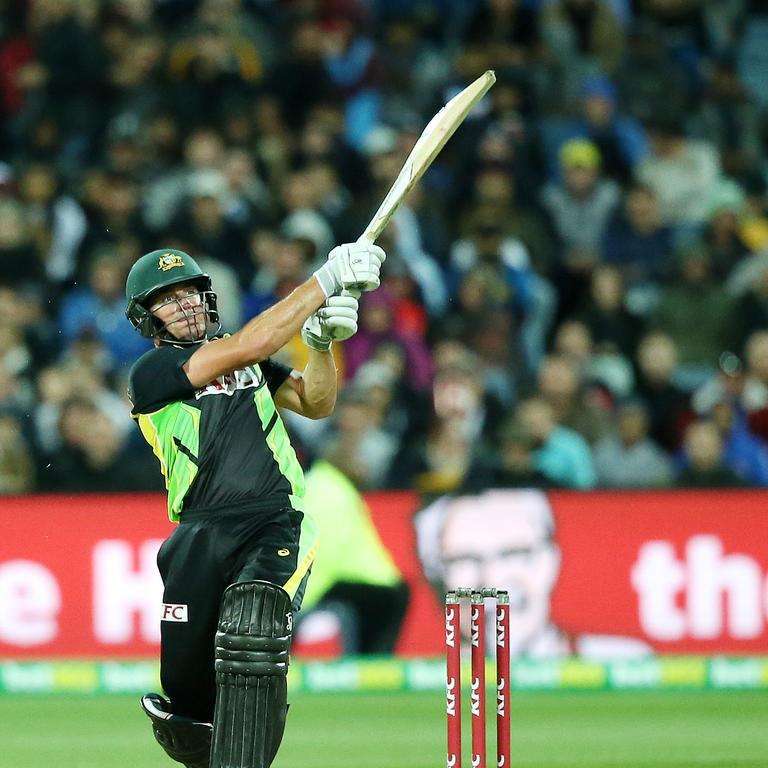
column 619, row 138
column 505, row 29
column 116, row 216
column 357, row 430
column 748, row 285
column 281, row 265
column 75, row 378
column 754, row 394
column 300, row 199
column 507, row 139
column 331, row 198
column 610, row 376
column 213, row 63
column 640, row 246
column 350, row 60
column 272, row 145
column 20, row 262
column 400, row 411
column 743, row 453
column 756, row 385
column 494, row 197
column 730, row 119
column 705, row 466
column 582, row 35
column 681, row 171
column 629, row 458
column 246, row 198
column 668, row 404
column 606, row 315
column 93, row 455
column 511, row 285
column 573, row 404
column 138, row 53
column 580, row 208
column 415, row 63
column 17, row 473
column 411, row 316
column 681, row 27
column 723, row 233
column 15, row 356
column 207, row 230
column 511, row 464
column 561, row 454
column 753, row 226
column 123, row 145
column 648, row 78
column 202, row 150
column 54, row 388
column 573, row 342
column 377, row 327
column 461, row 419
column 697, row 314
column 100, row 306
column 55, row 220
column 15, row 393
column 474, row 321
column 300, row 78
column 407, row 258
column 355, row 583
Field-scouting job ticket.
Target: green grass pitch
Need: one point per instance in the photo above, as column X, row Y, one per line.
column 406, row 730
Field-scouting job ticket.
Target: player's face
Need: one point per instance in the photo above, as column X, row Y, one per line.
column 492, row 541
column 181, row 310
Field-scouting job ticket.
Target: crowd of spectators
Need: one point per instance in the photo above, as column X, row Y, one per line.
column 576, row 294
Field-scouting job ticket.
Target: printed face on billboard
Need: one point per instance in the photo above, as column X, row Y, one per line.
column 506, row 539
column 503, row 540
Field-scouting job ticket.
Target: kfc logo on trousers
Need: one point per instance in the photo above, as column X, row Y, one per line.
column 174, row 612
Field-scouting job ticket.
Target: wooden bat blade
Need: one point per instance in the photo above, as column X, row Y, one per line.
column 433, row 138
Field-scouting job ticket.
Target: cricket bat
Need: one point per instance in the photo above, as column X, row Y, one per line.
column 433, row 138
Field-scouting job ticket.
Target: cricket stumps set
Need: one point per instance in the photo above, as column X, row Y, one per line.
column 477, row 598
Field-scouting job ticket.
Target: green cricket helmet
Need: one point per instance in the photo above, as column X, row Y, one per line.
column 161, row 269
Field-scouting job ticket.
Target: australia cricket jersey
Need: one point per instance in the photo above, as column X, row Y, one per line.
column 222, row 447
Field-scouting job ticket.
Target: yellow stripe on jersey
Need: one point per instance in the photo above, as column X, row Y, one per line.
column 307, row 551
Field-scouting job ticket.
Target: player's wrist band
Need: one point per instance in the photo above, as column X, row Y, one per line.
column 316, row 343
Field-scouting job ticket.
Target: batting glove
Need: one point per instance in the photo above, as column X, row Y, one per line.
column 336, row 320
column 353, row 266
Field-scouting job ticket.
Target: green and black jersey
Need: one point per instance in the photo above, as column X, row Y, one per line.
column 222, row 447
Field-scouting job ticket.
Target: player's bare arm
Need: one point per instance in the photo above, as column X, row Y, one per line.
column 312, row 392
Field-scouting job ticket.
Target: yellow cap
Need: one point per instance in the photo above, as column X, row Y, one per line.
column 579, row 153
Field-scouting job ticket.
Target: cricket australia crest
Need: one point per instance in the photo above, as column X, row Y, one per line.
column 169, row 261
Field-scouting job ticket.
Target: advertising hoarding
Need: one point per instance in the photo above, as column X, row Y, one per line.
column 670, row 572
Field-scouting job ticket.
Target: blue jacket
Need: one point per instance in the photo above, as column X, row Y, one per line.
column 566, row 459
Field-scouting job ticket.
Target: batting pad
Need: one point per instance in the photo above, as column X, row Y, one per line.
column 252, row 648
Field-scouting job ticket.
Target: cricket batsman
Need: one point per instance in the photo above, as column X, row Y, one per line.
column 236, row 567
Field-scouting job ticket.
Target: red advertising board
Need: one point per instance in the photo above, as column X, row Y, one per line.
column 615, row 573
